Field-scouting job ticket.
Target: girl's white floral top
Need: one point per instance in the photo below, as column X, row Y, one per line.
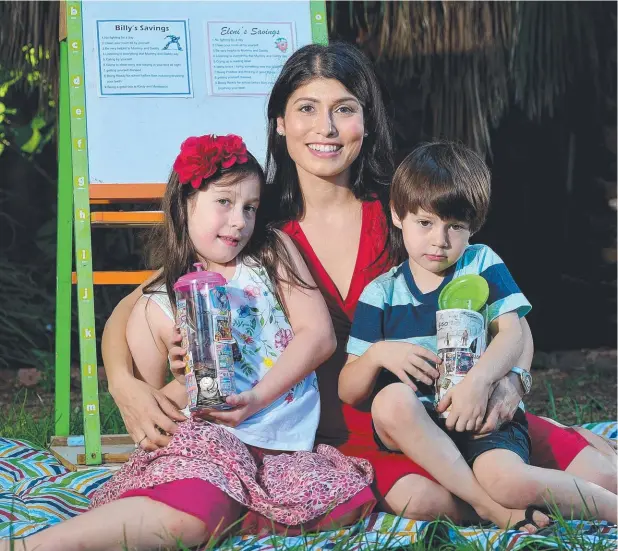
column 262, row 332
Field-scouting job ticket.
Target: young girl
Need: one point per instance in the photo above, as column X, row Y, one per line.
column 256, row 456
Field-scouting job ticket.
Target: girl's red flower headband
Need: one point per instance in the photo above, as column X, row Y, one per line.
column 200, row 157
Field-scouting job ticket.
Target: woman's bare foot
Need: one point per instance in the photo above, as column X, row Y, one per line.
column 513, row 519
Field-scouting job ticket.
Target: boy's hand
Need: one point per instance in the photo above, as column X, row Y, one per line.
column 468, row 402
column 408, row 361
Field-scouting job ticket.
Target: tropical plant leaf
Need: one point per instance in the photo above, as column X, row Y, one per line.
column 29, row 44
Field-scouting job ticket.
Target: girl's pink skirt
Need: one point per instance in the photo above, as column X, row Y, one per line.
column 282, row 488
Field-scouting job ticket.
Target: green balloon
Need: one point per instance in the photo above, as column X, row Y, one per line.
column 469, row 292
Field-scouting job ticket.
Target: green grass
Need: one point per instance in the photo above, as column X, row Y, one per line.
column 590, row 411
column 435, row 537
column 574, row 396
column 441, row 535
column 18, row 421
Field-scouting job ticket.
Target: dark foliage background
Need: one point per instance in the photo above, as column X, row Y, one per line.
column 532, row 84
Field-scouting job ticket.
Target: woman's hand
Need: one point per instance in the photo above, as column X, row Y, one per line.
column 503, row 403
column 144, row 410
column 245, row 405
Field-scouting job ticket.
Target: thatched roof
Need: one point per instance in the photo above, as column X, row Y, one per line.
column 474, row 59
column 471, row 60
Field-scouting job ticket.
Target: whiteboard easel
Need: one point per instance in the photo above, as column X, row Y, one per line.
column 137, row 78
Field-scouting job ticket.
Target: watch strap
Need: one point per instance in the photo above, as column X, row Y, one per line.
column 521, row 373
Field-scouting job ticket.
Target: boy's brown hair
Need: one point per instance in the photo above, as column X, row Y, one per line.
column 444, row 178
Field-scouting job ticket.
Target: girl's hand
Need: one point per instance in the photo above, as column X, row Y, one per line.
column 245, row 405
column 408, row 361
column 176, row 355
column 468, row 402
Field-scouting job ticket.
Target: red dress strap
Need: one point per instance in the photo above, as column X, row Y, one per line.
column 371, row 245
column 342, row 425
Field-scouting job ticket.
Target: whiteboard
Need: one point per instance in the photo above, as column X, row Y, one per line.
column 134, row 138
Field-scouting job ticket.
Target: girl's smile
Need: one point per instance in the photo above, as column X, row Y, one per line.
column 230, row 241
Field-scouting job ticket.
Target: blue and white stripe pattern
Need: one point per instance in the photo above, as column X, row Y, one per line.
column 36, row 490
column 392, row 307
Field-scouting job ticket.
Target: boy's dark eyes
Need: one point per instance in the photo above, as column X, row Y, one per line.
column 456, row 227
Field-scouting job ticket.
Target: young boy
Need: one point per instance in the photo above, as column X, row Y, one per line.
column 439, row 198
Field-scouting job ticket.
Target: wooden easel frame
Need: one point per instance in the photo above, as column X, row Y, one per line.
column 75, row 195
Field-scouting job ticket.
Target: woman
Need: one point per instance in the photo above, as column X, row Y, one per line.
column 329, row 163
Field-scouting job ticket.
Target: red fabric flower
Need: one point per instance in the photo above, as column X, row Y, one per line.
column 200, row 157
column 234, row 151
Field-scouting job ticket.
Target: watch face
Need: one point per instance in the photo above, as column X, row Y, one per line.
column 526, row 381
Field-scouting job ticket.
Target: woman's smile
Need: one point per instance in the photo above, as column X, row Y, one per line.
column 325, row 151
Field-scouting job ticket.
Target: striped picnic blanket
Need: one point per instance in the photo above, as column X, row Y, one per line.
column 36, row 491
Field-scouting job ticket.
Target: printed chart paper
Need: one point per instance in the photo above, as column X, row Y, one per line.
column 246, row 57
column 143, row 58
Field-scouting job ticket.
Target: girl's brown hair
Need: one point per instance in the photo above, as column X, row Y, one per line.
column 171, row 247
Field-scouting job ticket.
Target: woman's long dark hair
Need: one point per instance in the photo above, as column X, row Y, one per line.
column 371, row 171
column 171, row 247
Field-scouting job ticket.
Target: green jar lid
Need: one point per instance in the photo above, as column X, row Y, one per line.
column 469, row 292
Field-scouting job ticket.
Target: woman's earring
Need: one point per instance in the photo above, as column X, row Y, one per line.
column 366, row 134
column 280, row 132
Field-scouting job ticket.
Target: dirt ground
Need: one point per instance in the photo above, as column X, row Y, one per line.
column 572, row 387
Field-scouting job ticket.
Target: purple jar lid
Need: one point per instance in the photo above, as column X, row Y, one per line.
column 201, row 276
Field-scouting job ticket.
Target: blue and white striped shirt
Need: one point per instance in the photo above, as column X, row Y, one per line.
column 392, row 307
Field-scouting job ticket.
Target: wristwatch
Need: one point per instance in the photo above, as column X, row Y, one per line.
column 525, row 378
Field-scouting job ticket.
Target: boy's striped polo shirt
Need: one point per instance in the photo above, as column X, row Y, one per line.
column 393, row 308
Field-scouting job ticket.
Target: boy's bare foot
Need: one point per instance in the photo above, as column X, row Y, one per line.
column 531, row 520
